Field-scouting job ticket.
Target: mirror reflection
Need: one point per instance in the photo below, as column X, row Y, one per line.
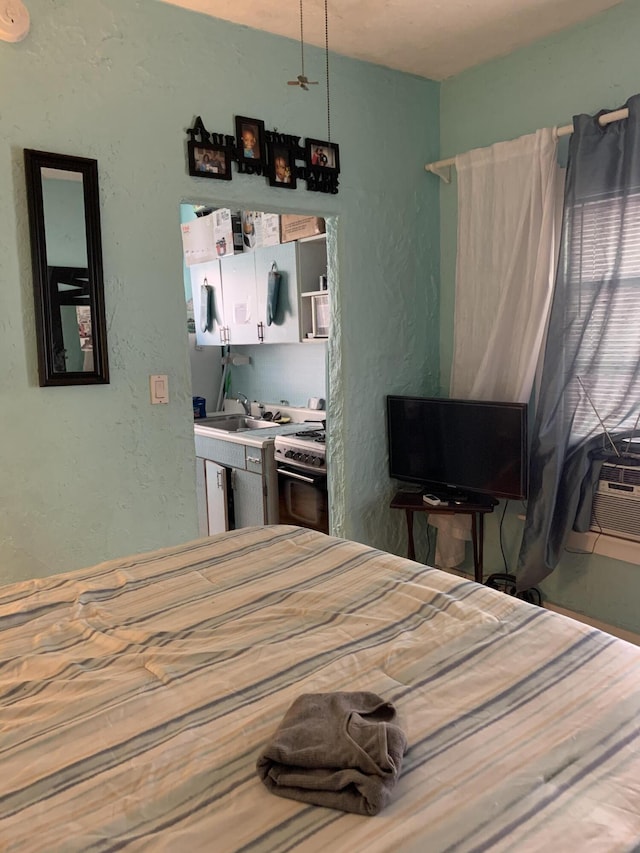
column 65, row 228
column 67, row 265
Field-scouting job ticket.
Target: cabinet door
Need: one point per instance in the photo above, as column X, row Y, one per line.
column 201, row 497
column 286, row 326
column 208, row 305
column 248, row 499
column 239, row 294
column 217, row 498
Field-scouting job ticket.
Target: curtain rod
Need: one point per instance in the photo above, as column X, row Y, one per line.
column 439, row 165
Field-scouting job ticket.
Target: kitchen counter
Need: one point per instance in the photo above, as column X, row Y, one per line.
column 252, row 437
column 301, row 418
column 236, row 472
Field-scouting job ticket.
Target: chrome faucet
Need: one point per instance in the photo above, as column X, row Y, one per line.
column 246, row 405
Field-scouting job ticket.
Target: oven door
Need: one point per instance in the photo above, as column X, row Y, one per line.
column 303, row 498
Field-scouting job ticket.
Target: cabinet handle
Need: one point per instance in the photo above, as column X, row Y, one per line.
column 261, row 332
column 219, row 478
column 254, row 459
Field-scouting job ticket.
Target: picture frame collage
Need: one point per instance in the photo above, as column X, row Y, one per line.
column 279, row 157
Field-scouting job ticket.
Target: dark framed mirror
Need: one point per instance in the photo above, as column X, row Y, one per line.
column 66, row 252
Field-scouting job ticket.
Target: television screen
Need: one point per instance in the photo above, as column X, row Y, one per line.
column 464, row 445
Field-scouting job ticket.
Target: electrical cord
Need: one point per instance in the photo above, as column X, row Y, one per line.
column 592, row 550
column 507, row 582
column 504, row 559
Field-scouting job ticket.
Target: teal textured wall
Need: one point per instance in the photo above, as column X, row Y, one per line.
column 91, row 473
column 590, row 67
column 292, row 372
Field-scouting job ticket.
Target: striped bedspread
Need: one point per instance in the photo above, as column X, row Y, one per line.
column 137, row 695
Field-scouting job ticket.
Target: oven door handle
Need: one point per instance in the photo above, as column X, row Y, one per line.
column 286, row 472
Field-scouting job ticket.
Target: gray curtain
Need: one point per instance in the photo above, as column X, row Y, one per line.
column 591, row 369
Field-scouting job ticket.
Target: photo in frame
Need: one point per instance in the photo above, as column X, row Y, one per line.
column 250, row 141
column 209, row 161
column 323, row 155
column 282, row 167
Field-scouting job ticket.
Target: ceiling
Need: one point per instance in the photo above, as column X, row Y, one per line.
column 430, row 38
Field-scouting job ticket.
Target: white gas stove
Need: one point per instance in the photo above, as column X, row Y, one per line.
column 304, row 450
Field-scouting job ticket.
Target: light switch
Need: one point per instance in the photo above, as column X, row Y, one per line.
column 159, row 387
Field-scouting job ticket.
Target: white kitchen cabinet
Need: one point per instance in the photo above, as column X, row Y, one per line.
column 206, row 283
column 201, row 496
column 238, row 274
column 245, row 290
column 286, row 326
column 249, row 472
column 245, row 280
column 248, row 499
column 217, row 498
column 238, row 288
column 212, row 493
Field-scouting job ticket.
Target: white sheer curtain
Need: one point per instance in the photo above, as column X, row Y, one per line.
column 509, row 218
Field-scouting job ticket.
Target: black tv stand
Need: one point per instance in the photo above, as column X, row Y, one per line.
column 411, row 502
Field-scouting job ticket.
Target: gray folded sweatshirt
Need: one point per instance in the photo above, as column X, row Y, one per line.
column 339, row 750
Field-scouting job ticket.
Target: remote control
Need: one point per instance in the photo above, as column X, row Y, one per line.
column 432, row 500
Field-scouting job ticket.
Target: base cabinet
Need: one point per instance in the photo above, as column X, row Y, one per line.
column 201, row 497
column 236, row 485
column 248, row 499
column 217, row 482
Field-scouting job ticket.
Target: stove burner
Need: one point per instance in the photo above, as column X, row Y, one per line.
column 312, row 434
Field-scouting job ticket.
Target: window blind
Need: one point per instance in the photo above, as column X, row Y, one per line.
column 603, row 313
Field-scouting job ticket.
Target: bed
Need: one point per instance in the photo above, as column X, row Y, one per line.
column 137, row 695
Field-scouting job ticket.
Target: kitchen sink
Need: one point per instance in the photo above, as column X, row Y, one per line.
column 233, row 423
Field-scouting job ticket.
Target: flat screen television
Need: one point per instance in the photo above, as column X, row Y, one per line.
column 459, row 447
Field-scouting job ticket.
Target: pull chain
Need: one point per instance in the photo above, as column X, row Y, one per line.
column 326, row 54
column 301, row 40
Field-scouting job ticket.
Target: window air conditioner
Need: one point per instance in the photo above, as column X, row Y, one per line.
column 616, row 504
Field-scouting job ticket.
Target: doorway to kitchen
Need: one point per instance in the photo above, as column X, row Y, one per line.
column 258, row 289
